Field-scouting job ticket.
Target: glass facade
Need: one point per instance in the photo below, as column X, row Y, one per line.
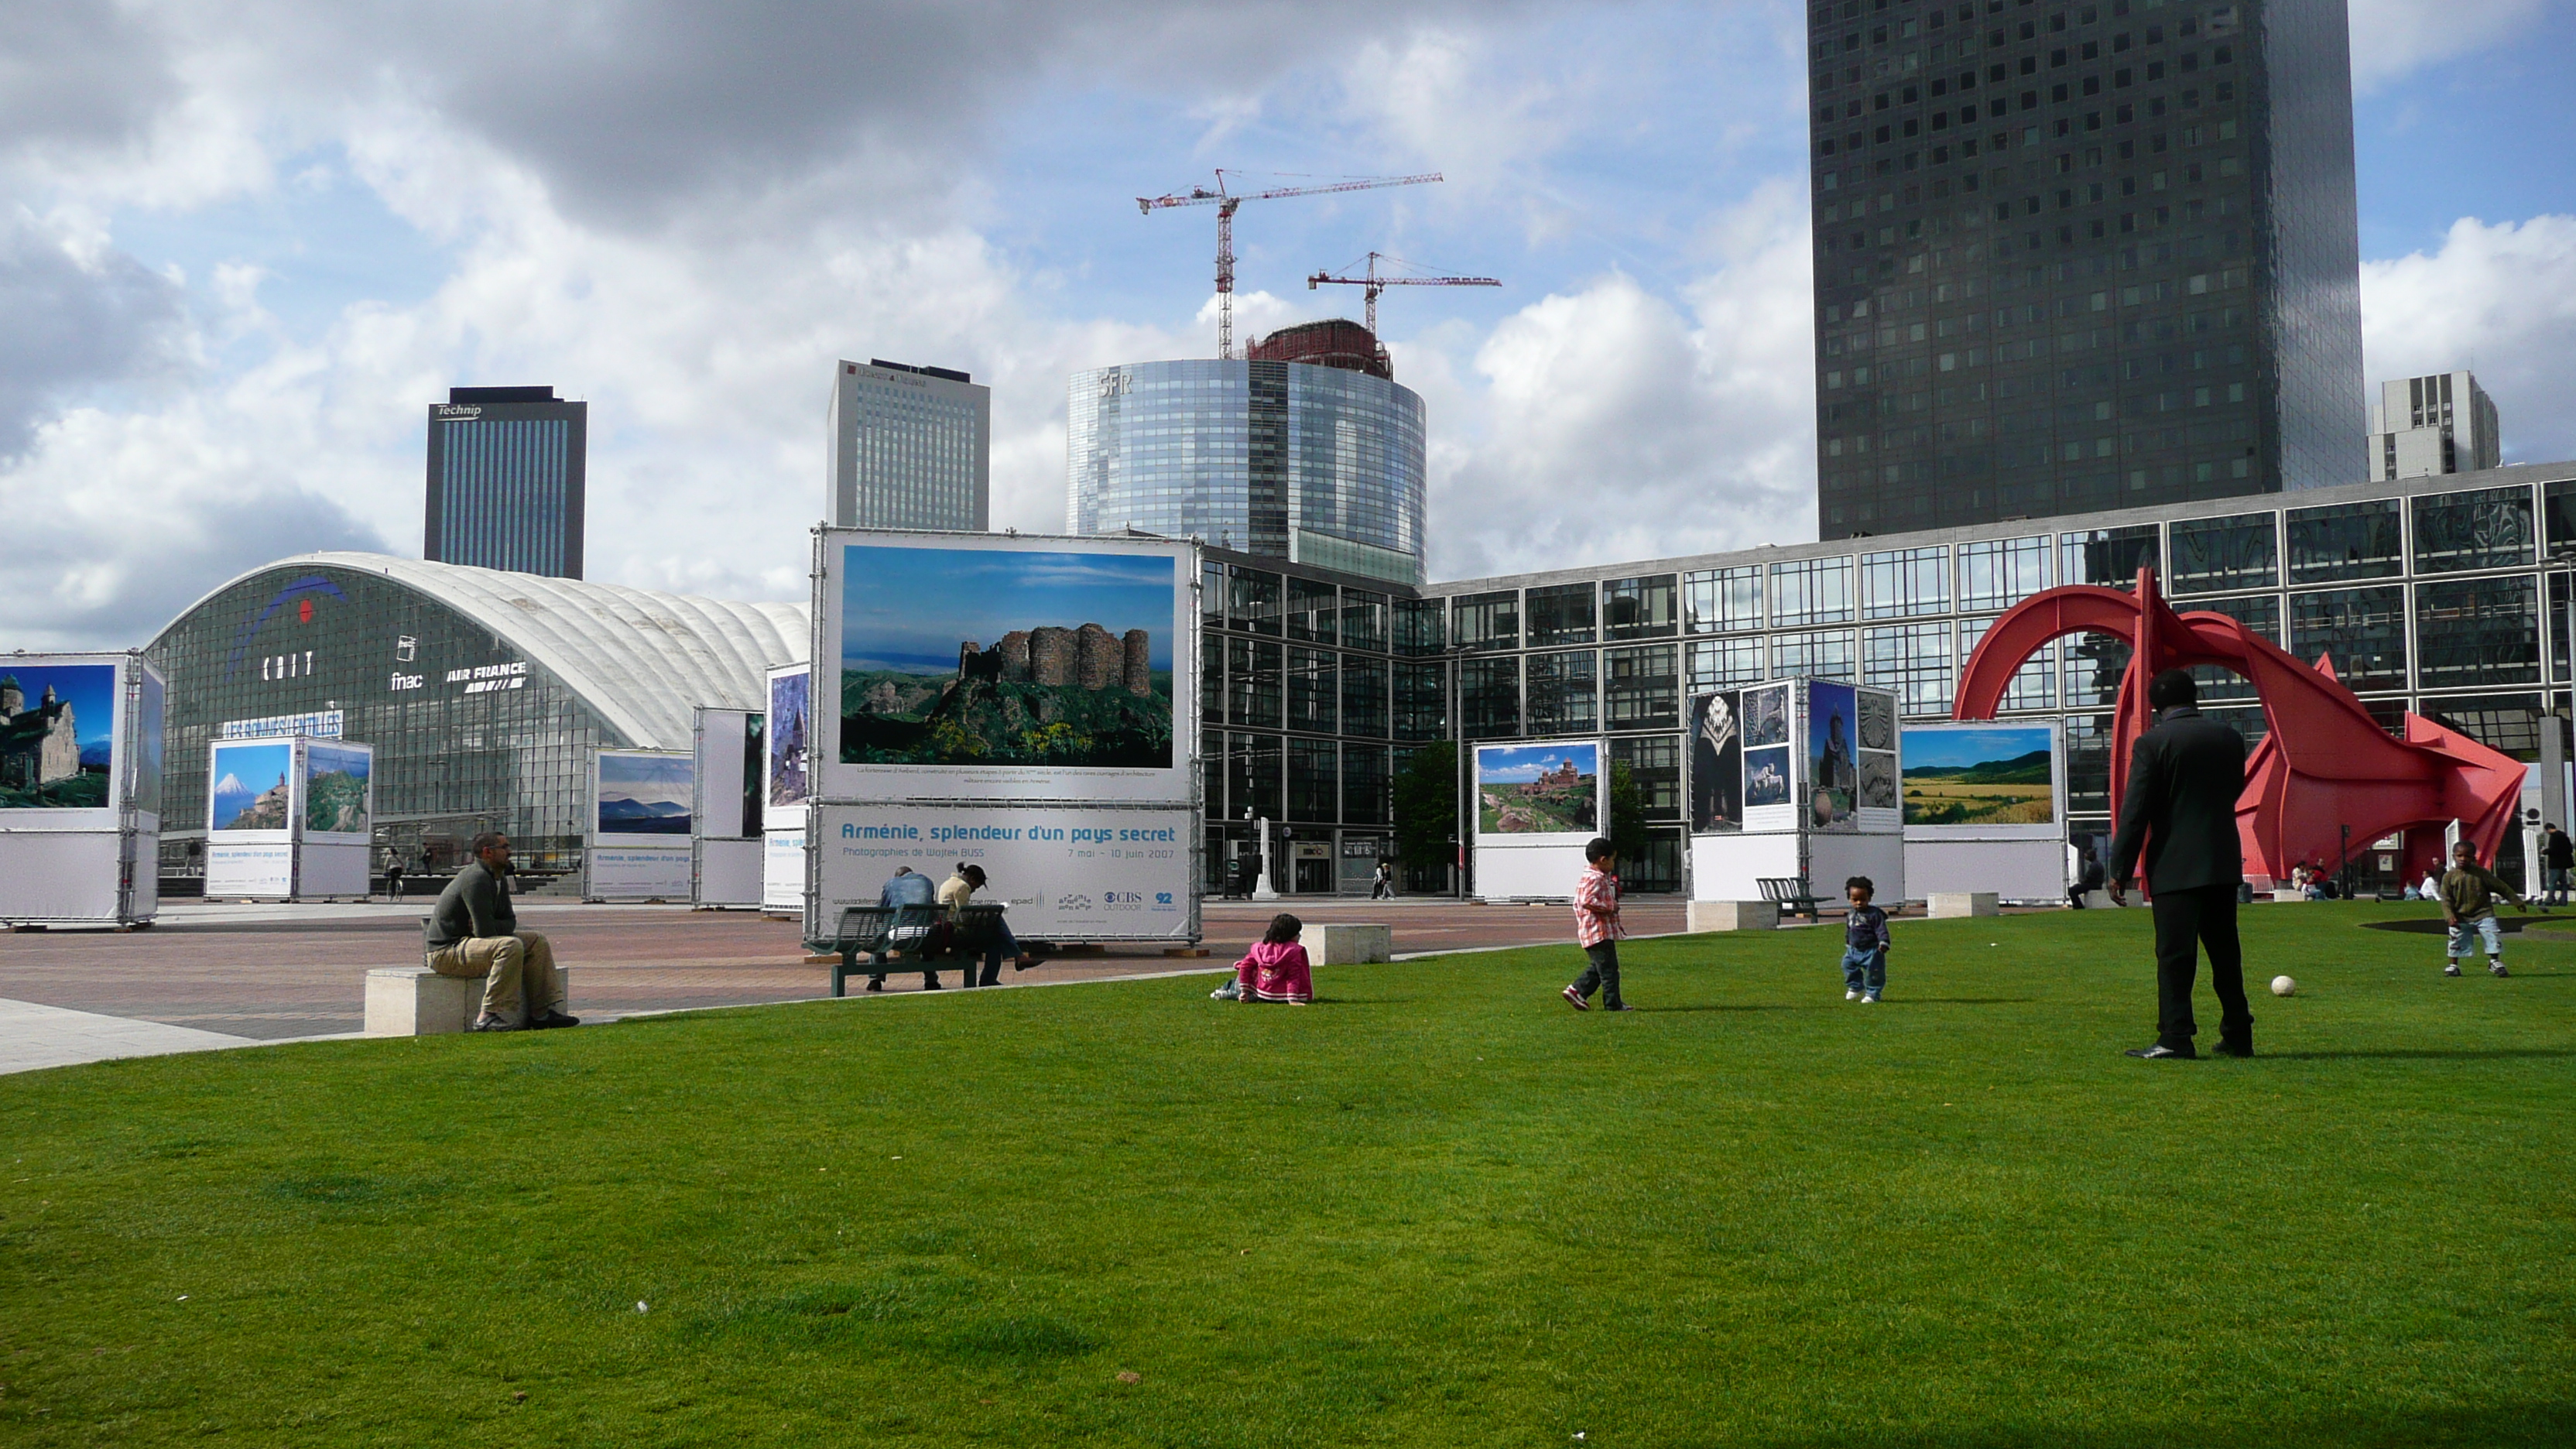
column 507, row 482
column 1284, row 460
column 2081, row 258
column 399, row 667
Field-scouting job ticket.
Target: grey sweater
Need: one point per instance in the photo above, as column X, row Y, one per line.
column 474, row 904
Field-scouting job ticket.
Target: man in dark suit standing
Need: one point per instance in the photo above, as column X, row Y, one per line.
column 2180, row 807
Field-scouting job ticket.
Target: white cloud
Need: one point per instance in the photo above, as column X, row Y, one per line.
column 2498, row 298
column 1614, row 426
column 2392, row 38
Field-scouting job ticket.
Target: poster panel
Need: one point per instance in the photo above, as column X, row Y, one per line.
column 339, row 792
column 257, row 868
column 1877, row 806
column 644, row 793
column 58, row 742
column 151, row 712
column 723, row 738
column 252, row 791
column 1067, row 872
column 998, row 667
column 789, row 692
column 751, row 777
column 1988, row 781
column 623, row 872
column 1832, row 773
column 1545, row 794
column 782, row 869
column 1717, row 761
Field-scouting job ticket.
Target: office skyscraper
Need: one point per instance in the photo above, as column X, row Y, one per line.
column 911, row 448
column 2079, row 256
column 505, row 480
column 2421, row 426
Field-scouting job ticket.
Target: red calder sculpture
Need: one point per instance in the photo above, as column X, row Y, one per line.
column 2324, row 765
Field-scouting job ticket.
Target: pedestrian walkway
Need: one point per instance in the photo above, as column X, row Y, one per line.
column 34, row 1037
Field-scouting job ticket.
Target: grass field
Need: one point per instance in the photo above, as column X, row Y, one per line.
column 1435, row 1208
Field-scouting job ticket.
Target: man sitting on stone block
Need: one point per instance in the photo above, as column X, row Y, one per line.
column 475, row 932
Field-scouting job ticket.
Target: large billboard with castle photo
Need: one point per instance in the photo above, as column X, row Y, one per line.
column 995, row 667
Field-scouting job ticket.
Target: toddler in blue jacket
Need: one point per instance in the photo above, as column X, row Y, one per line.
column 1864, row 943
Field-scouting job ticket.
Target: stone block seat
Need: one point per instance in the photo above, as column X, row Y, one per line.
column 1951, row 905
column 1347, row 944
column 1733, row 916
column 416, row 1001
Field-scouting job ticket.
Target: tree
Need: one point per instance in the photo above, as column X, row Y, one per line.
column 1426, row 807
column 1627, row 814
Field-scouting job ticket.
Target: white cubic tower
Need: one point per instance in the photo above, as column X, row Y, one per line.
column 911, row 448
column 2422, row 426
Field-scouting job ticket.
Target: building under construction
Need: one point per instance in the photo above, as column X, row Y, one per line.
column 1306, row 450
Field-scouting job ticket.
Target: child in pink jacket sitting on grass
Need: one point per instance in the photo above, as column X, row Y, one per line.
column 1274, row 969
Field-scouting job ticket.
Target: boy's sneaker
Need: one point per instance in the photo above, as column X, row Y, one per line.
column 1871, row 1000
column 2451, row 970
column 2496, row 968
column 1574, row 998
column 1851, row 996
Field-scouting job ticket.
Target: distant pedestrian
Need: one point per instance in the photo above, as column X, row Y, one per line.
column 394, row 877
column 1865, row 943
column 1597, row 928
column 2557, row 862
column 2088, row 878
column 1275, row 969
column 2468, row 906
column 1382, row 887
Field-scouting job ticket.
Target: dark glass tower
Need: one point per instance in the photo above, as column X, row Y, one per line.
column 2080, row 256
column 505, row 480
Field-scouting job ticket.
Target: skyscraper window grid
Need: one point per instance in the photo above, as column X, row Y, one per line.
column 2059, row 253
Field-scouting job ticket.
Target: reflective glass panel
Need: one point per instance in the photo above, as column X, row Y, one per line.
column 1642, row 687
column 2485, row 528
column 1486, row 621
column 1560, row 614
column 2212, row 554
column 1817, row 654
column 2477, row 632
column 1489, row 697
column 2346, row 541
column 1314, row 690
column 1723, row 601
column 2110, row 557
column 1723, row 663
column 2034, row 684
column 1914, row 661
column 1999, row 573
column 1904, row 581
column 1646, row 608
column 1811, row 591
column 2362, row 630
column 1312, row 610
column 1563, row 690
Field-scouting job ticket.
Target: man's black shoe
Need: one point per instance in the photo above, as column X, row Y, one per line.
column 553, row 1020
column 2236, row 1048
column 876, row 986
column 2162, row 1053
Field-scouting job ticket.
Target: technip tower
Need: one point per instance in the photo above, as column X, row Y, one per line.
column 2079, row 256
column 1306, row 450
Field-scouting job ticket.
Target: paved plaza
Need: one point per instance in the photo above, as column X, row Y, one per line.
column 211, row 974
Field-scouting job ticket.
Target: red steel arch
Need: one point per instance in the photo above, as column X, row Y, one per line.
column 2324, row 763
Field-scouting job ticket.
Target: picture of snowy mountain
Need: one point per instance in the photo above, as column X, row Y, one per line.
column 644, row 794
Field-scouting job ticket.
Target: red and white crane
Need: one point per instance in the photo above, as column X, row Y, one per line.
column 1376, row 284
column 1226, row 201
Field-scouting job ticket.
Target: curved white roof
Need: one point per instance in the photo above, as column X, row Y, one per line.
column 642, row 659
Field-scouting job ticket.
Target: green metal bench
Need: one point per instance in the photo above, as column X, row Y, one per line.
column 911, row 931
column 1791, row 895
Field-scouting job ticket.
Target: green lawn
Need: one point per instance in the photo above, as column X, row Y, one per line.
column 1436, row 1208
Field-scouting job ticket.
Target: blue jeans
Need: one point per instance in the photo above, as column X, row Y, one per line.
column 1865, row 971
column 2487, row 931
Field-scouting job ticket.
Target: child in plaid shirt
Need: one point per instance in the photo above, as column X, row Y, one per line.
column 1596, row 926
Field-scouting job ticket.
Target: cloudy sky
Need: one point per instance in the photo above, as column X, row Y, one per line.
column 244, row 246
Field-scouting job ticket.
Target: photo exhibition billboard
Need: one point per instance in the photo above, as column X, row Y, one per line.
column 1717, row 762
column 644, row 794
column 58, row 739
column 790, row 691
column 1539, row 794
column 1984, row 780
column 339, row 792
column 1003, row 668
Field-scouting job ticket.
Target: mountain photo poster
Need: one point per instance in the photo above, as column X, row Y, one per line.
column 643, row 794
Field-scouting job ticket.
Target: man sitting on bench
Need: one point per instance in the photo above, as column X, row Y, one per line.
column 911, row 928
column 475, row 932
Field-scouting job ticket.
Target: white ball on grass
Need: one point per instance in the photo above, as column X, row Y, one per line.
column 2284, row 986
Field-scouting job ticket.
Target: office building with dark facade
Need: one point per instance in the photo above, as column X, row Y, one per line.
column 506, row 480
column 2073, row 257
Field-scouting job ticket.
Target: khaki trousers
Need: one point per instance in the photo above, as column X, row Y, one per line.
column 511, row 966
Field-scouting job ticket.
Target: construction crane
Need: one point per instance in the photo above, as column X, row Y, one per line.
column 1226, row 201
column 1376, row 284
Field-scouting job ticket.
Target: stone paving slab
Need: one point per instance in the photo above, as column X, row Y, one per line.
column 34, row 1036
